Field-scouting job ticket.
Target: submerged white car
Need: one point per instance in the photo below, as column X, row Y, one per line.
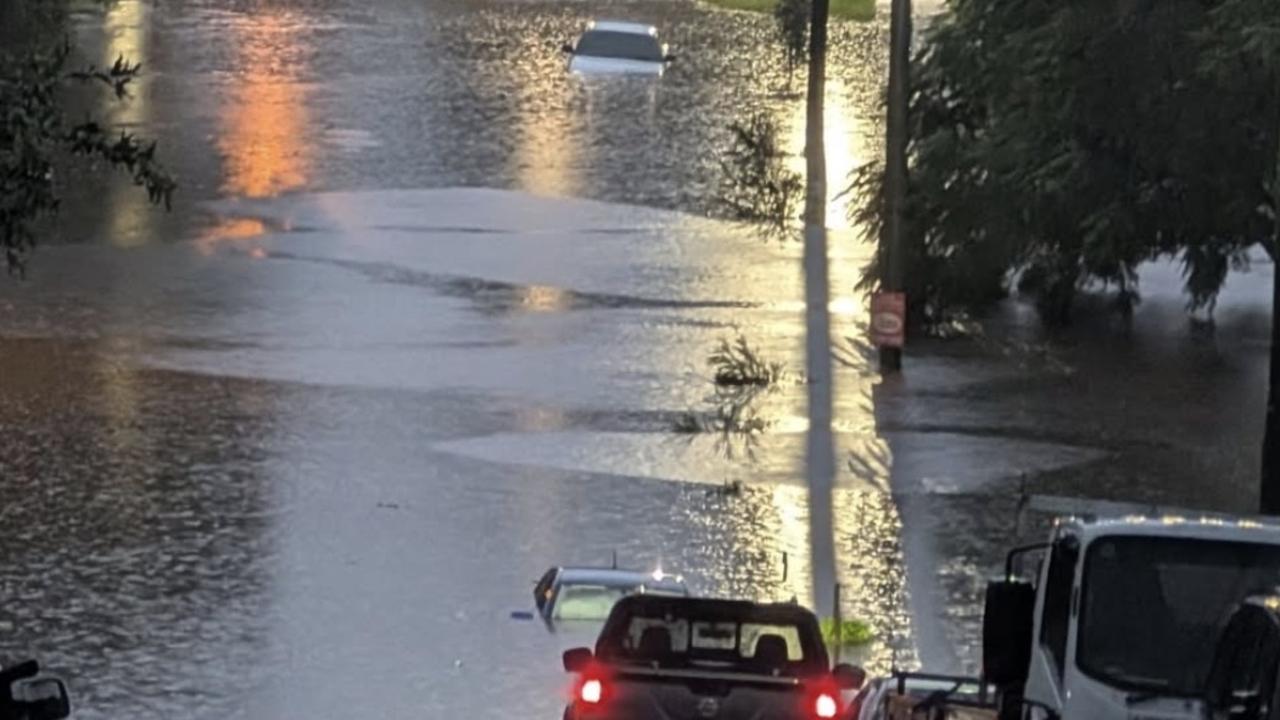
column 618, row 47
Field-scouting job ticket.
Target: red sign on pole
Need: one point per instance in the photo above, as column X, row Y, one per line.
column 888, row 319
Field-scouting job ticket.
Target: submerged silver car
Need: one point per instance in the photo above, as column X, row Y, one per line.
column 618, row 47
column 589, row 594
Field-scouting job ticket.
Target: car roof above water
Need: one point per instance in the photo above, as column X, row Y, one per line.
column 613, row 577
column 631, row 28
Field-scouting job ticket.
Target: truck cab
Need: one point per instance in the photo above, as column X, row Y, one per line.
column 1123, row 617
column 1244, row 683
column 680, row 658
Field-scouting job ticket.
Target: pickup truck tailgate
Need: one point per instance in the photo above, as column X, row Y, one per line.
column 643, row 694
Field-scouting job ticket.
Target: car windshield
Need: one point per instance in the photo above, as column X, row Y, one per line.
column 620, row 45
column 1153, row 607
column 587, row 602
column 672, row 639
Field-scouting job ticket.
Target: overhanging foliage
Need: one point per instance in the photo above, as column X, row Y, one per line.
column 34, row 131
column 1060, row 145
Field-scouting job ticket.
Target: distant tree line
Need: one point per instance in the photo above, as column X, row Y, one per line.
column 1057, row 146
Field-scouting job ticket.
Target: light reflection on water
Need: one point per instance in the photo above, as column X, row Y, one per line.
column 236, row 231
column 544, row 299
column 126, row 28
column 767, row 558
column 845, row 140
column 547, row 156
column 265, row 123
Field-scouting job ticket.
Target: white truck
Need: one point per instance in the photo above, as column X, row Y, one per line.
column 1121, row 623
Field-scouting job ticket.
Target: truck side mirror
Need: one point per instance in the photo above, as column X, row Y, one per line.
column 42, row 699
column 30, row 696
column 577, row 659
column 1245, row 705
column 1047, row 712
column 849, row 677
column 1008, row 620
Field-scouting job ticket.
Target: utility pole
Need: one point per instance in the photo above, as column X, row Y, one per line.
column 820, row 446
column 895, row 169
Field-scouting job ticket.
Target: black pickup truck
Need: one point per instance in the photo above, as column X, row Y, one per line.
column 666, row 658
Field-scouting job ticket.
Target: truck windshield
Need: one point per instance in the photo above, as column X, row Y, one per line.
column 1153, row 607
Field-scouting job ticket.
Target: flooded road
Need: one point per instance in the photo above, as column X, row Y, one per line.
column 423, row 324
column 396, row 429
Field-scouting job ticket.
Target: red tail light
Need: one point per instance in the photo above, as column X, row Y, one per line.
column 825, row 706
column 591, row 692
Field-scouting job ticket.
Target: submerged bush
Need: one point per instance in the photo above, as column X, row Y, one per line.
column 756, row 184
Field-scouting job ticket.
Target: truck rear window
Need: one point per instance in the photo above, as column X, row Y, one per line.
column 742, row 640
column 773, row 648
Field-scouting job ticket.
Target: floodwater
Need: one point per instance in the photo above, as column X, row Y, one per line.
column 422, row 324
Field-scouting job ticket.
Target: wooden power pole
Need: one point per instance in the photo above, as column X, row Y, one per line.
column 895, row 169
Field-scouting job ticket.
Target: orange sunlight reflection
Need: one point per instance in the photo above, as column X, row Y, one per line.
column 544, row 298
column 263, row 122
column 234, row 230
